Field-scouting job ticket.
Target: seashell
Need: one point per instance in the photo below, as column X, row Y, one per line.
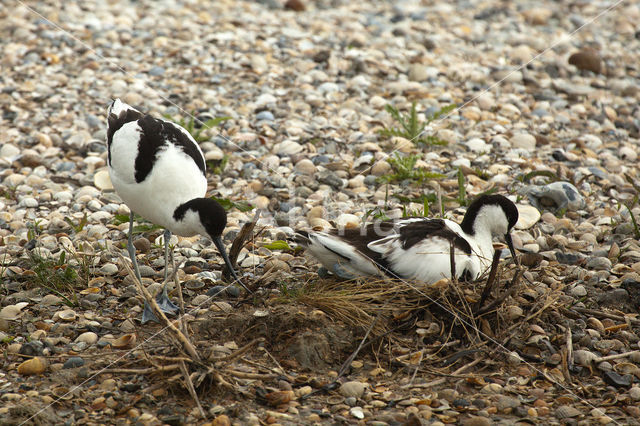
column 627, row 368
column 102, row 180
column 556, row 196
column 527, row 216
column 62, row 393
column 12, row 312
column 124, row 342
column 514, row 312
column 67, row 315
column 88, row 337
column 33, row 366
column 596, row 324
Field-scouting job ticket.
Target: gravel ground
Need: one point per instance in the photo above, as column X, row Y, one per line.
column 547, row 97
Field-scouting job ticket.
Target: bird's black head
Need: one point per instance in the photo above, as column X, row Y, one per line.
column 212, row 215
column 508, row 207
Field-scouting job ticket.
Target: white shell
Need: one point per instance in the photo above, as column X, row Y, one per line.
column 527, row 216
column 102, row 180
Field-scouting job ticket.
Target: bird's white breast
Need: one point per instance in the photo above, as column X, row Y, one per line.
column 174, row 179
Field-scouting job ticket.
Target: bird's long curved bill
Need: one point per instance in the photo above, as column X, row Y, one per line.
column 223, row 252
column 511, row 248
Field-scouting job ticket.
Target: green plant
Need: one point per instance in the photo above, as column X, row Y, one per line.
column 9, row 193
column 546, row 173
column 411, row 127
column 218, row 166
column 143, row 225
column 278, row 245
column 404, row 168
column 34, row 229
column 227, row 204
column 462, row 190
column 57, row 276
column 376, row 213
column 197, row 132
column 81, row 223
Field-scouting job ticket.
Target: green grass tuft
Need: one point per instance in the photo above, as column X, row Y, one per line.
column 411, row 127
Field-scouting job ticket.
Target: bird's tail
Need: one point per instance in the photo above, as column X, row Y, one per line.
column 302, row 238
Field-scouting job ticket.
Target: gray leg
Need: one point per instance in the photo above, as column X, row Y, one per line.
column 163, row 300
column 132, row 250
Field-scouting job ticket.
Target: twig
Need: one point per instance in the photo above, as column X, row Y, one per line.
column 444, row 379
column 171, row 358
column 603, row 314
column 149, row 370
column 492, row 277
column 421, row 352
column 239, row 241
column 612, row 357
column 183, row 325
column 569, row 340
column 567, row 355
column 159, row 314
column 191, row 389
column 245, row 375
column 239, row 352
column 500, row 299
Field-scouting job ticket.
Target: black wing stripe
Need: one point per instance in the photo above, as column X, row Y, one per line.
column 154, row 136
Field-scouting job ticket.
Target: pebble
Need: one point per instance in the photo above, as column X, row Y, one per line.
column 353, row 389
column 305, row 167
column 73, row 362
column 88, row 337
column 586, row 60
column 523, row 141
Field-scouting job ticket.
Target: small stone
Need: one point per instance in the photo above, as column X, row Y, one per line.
column 599, row 263
column 108, row 269
column 51, row 300
column 221, row 420
column 357, row 412
column 353, row 388
column 380, row 168
column 523, row 141
column 614, row 379
column 12, row 312
column 527, row 216
column 287, row 147
column 578, row 291
column 476, row 421
column 347, row 221
column 88, row 337
column 142, row 245
column 296, row 5
column 33, row 366
column 305, row 167
column 587, row 60
column 634, row 393
column 9, row 151
column 250, row 261
column 478, row 145
column 73, row 362
column 505, row 403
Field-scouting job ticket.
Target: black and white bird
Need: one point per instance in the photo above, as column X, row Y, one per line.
column 158, row 170
column 417, row 248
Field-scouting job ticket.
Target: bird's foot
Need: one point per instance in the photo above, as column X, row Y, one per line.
column 165, row 305
column 342, row 272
